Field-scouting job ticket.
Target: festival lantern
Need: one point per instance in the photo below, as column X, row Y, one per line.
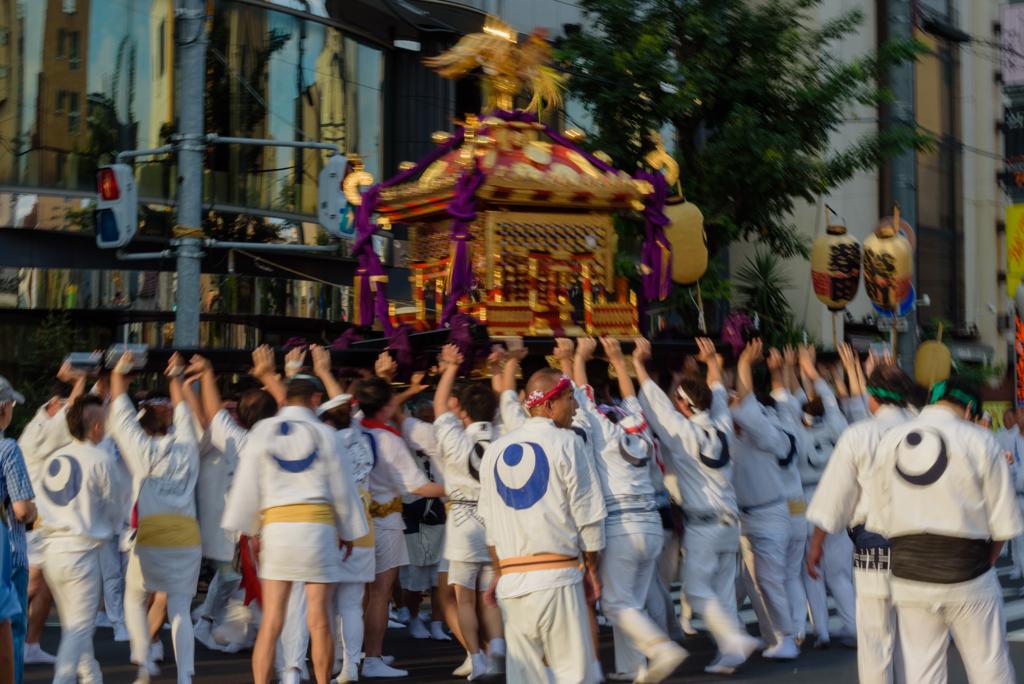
column 888, row 264
column 835, row 268
column 688, row 239
column 933, row 362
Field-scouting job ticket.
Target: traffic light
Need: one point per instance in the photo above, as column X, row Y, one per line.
column 332, row 207
column 117, row 209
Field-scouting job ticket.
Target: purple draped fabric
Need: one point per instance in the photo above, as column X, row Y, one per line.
column 295, row 343
column 657, row 253
column 462, row 209
column 373, row 296
column 732, row 331
column 399, row 341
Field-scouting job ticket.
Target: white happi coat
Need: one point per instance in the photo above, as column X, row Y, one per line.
column 757, row 477
column 843, row 496
column 625, row 479
column 361, row 565
column 290, row 459
column 539, row 495
column 939, row 474
column 222, row 441
column 41, row 437
column 79, row 499
column 462, row 449
column 697, row 452
column 164, row 473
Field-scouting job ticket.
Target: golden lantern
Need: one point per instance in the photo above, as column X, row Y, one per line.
column 835, row 267
column 688, row 240
column 888, row 264
column 933, row 362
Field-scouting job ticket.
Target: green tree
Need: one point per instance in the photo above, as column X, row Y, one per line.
column 754, row 91
column 760, row 283
column 55, row 339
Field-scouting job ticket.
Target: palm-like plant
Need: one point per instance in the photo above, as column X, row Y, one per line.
column 760, row 283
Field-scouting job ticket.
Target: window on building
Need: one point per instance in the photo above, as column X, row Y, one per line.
column 163, row 48
column 5, row 71
column 62, row 165
column 61, row 101
column 69, row 6
column 74, row 58
column 73, row 114
column 5, row 35
column 62, row 39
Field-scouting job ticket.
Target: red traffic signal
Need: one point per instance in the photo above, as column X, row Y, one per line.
column 107, row 181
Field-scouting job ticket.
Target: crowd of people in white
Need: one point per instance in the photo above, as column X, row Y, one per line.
column 524, row 513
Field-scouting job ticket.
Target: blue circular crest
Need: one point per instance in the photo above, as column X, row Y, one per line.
column 63, row 479
column 536, row 485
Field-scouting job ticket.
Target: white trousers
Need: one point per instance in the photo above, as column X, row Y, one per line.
column 668, row 571
column 659, row 605
column 293, row 644
column 1017, row 551
column 76, row 582
column 879, row 655
column 114, row 566
column 552, row 621
column 978, row 629
column 628, row 564
column 835, row 572
column 178, row 614
column 349, row 611
column 796, row 550
column 763, row 579
column 711, row 590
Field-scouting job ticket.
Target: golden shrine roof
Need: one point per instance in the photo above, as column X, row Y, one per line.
column 521, row 174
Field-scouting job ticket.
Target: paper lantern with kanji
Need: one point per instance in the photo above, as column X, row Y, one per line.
column 888, row 266
column 688, row 240
column 835, row 267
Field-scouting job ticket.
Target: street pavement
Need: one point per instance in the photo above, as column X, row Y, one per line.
column 432, row 661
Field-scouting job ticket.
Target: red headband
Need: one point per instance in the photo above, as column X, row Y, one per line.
column 538, row 398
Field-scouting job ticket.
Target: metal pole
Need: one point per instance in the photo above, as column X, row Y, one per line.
column 903, row 167
column 214, row 139
column 191, row 40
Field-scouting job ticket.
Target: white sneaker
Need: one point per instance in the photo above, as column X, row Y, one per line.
column 291, row 676
column 120, row 633
column 395, row 625
column 1014, row 575
column 725, row 664
column 347, row 674
column 156, row 652
column 688, row 628
column 787, row 650
column 403, row 616
column 479, row 667
column 437, row 632
column 152, row 668
column 417, row 630
column 598, row 671
column 465, row 668
column 102, row 620
column 375, row 667
column 143, row 676
column 35, row 655
column 668, row 655
column 496, row 664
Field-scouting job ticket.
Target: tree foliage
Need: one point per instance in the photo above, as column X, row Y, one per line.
column 755, row 92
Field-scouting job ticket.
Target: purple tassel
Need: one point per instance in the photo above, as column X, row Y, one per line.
column 732, row 331
column 295, row 343
column 346, row 339
column 462, row 209
column 460, row 334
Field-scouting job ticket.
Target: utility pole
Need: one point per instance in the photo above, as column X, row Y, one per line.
column 903, row 167
column 191, row 40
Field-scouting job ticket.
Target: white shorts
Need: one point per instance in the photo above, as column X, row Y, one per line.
column 442, row 566
column 418, row 577
column 390, row 550
column 358, row 569
column 471, row 575
column 300, row 552
column 36, row 549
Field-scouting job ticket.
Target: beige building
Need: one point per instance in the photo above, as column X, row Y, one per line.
column 960, row 204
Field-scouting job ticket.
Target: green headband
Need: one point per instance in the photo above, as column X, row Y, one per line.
column 885, row 394
column 940, row 392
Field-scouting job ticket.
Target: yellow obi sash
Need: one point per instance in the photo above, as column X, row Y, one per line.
column 168, row 530
column 371, row 538
column 797, row 507
column 542, row 561
column 383, row 510
column 300, row 513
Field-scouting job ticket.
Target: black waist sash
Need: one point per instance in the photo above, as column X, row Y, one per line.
column 939, row 559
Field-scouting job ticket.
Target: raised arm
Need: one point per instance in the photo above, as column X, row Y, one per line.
column 402, row 398
column 641, row 354
column 850, row 366
column 790, row 364
column 322, row 370
column 294, row 360
column 495, row 361
column 564, row 350
column 193, row 401
column 808, row 370
column 449, row 363
column 750, row 356
column 775, row 367
column 613, row 350
column 516, row 353
column 119, row 380
column 264, row 369
column 73, row 377
column 584, row 352
column 210, row 393
column 175, row 367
